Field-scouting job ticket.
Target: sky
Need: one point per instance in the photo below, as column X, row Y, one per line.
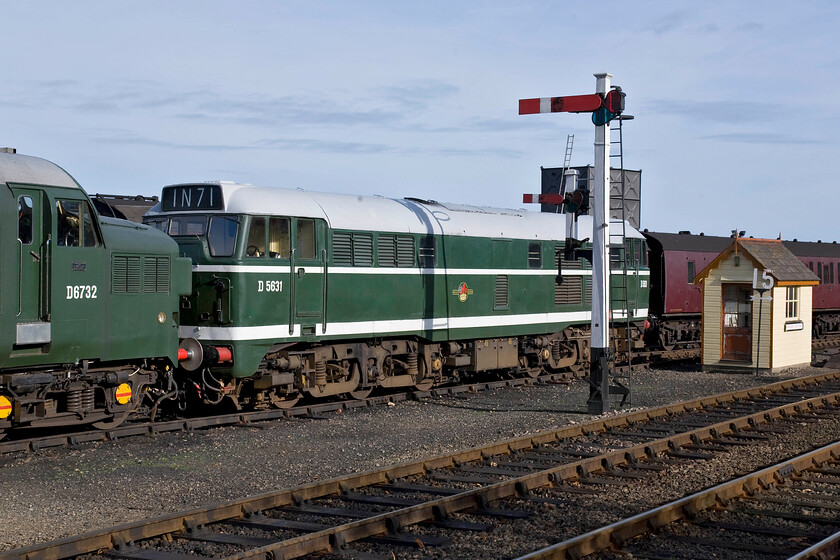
column 735, row 119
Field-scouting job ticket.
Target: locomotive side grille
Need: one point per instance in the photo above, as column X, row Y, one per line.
column 352, row 248
column 386, row 247
column 501, row 297
column 569, row 292
column 588, row 294
column 342, row 248
column 558, row 254
column 362, row 249
column 156, row 275
column 405, row 251
column 125, row 275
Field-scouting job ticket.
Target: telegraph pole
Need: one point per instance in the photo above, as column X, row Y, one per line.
column 605, row 104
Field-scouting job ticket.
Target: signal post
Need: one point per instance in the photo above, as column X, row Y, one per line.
column 604, row 105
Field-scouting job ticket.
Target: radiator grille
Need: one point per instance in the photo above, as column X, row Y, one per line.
column 569, row 292
column 125, row 275
column 156, row 275
column 501, row 298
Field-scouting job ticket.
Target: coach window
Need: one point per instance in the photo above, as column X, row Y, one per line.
column 255, row 247
column 25, row 219
column 221, row 236
column 75, row 224
column 305, row 239
column 279, row 244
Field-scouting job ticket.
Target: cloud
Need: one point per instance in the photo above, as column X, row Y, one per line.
column 719, row 111
column 757, row 138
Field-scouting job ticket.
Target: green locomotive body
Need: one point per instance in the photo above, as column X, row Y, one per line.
column 310, row 293
column 88, row 305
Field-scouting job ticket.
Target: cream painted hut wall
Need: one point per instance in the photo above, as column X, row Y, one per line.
column 792, row 348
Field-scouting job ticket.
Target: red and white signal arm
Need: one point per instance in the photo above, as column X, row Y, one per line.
column 568, row 104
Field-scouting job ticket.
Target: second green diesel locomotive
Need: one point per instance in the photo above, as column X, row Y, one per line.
column 301, row 293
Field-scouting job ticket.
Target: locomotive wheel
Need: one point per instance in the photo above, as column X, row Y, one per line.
column 283, row 402
column 360, row 393
column 422, row 381
column 111, row 422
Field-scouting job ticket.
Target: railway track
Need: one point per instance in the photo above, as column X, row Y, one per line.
column 313, row 410
column 427, row 503
column 787, row 510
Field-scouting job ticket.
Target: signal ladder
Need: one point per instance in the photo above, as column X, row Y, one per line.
column 620, row 291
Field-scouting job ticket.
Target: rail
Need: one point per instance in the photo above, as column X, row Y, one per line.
column 722, row 417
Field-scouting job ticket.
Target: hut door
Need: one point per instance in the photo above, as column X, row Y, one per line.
column 737, row 322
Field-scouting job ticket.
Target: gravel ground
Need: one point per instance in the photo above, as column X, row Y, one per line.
column 60, row 492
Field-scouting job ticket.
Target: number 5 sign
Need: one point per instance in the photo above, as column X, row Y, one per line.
column 767, row 281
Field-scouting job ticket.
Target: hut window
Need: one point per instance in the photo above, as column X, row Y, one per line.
column 692, row 272
column 792, row 302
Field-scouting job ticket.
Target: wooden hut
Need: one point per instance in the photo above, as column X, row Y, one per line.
column 756, row 307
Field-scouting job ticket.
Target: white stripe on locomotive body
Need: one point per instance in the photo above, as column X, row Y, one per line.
column 374, row 213
column 389, row 271
column 391, row 327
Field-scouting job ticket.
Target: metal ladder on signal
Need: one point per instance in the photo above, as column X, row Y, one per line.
column 620, row 384
column 567, row 162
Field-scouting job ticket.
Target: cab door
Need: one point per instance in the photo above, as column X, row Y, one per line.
column 308, row 274
column 33, row 255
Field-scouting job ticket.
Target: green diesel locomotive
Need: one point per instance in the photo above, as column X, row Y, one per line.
column 88, row 305
column 300, row 293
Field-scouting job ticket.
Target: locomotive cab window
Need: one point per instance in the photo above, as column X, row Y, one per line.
column 75, row 224
column 25, row 219
column 279, row 242
column 692, row 272
column 221, row 235
column 255, row 246
column 158, row 223
column 194, row 225
column 305, row 239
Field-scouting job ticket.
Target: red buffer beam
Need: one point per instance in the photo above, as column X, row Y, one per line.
column 569, row 104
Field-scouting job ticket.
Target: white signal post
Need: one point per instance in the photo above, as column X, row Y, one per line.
column 599, row 395
column 606, row 104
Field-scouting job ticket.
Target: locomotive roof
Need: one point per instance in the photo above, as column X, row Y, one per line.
column 18, row 168
column 689, row 242
column 409, row 215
